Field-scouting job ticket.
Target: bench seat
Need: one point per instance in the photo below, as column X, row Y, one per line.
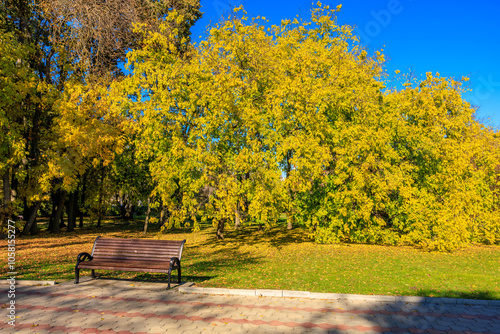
column 140, row 255
column 144, row 266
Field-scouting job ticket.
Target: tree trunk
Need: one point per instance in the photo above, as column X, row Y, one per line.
column 70, row 211
column 288, row 169
column 148, row 213
column 6, row 209
column 82, row 200
column 78, row 214
column 237, row 222
column 6, row 187
column 122, row 203
column 54, row 224
column 220, row 229
column 80, row 224
column 129, row 211
column 34, row 230
column 163, row 216
column 28, row 227
column 54, row 200
column 101, row 190
column 14, row 183
column 75, row 209
column 61, row 223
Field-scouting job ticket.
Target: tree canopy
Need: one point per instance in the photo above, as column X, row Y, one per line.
column 252, row 123
column 297, row 118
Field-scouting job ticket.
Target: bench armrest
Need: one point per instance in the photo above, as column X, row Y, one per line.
column 174, row 261
column 83, row 257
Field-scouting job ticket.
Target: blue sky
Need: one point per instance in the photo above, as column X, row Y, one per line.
column 455, row 38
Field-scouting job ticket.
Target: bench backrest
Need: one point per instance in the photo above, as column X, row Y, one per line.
column 137, row 249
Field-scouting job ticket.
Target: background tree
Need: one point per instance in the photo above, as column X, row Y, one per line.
column 100, row 32
column 203, row 110
column 78, row 49
column 17, row 81
column 98, row 44
column 31, row 116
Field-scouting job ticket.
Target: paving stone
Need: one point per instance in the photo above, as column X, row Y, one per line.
column 472, row 302
column 151, row 309
column 242, row 292
column 215, row 291
column 190, row 289
column 268, row 293
column 320, row 295
column 296, row 294
column 494, row 303
column 409, row 299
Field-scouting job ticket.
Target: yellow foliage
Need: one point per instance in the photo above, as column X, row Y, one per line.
column 297, row 119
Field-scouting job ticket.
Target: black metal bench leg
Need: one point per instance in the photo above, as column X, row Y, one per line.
column 179, row 274
column 92, row 273
column 169, row 274
column 77, row 275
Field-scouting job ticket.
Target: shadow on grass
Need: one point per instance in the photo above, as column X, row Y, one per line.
column 109, row 225
column 205, row 260
column 201, row 265
column 62, row 245
column 276, row 236
column 481, row 294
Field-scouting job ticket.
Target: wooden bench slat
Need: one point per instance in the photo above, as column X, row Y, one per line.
column 138, row 245
column 143, row 250
column 104, row 241
column 137, row 255
column 140, row 249
column 131, row 263
column 111, row 252
column 137, row 250
column 125, row 257
column 141, row 245
column 129, row 266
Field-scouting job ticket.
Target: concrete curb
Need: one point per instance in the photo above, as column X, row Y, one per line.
column 189, row 288
column 29, row 282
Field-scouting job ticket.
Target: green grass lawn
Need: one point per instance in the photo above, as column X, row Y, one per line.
column 279, row 259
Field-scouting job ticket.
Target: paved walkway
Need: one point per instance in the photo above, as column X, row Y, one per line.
column 104, row 306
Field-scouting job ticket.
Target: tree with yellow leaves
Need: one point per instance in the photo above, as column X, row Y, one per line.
column 296, row 118
column 60, row 59
column 25, row 107
column 17, row 82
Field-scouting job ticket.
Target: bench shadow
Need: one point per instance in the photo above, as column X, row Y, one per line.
column 110, row 275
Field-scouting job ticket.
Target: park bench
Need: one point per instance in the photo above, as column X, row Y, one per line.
column 141, row 255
